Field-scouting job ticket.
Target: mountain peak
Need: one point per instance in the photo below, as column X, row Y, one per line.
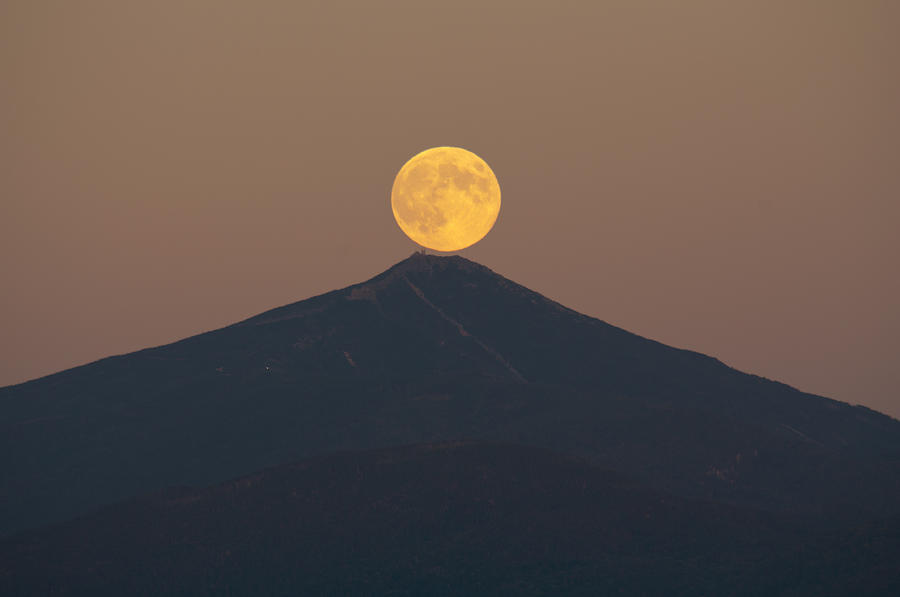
column 427, row 262
column 451, row 270
column 435, row 348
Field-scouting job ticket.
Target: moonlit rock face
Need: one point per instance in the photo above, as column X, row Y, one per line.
column 446, row 198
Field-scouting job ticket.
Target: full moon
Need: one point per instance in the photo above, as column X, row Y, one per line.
column 446, row 198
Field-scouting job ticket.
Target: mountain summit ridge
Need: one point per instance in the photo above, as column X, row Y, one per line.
column 417, row 262
column 433, row 349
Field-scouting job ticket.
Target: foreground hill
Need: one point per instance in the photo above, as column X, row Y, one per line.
column 453, row 519
column 434, row 349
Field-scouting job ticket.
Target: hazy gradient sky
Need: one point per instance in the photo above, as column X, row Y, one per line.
column 719, row 176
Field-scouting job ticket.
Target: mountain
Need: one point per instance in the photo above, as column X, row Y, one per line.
column 435, row 349
column 446, row 519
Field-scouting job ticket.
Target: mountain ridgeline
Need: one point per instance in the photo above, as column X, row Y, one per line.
column 444, row 519
column 435, row 349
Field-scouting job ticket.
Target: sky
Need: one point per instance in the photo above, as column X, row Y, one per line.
column 718, row 176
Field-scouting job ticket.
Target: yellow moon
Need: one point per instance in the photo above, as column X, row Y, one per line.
column 445, row 198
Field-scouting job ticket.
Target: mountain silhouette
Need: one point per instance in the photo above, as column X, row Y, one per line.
column 446, row 519
column 435, row 349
